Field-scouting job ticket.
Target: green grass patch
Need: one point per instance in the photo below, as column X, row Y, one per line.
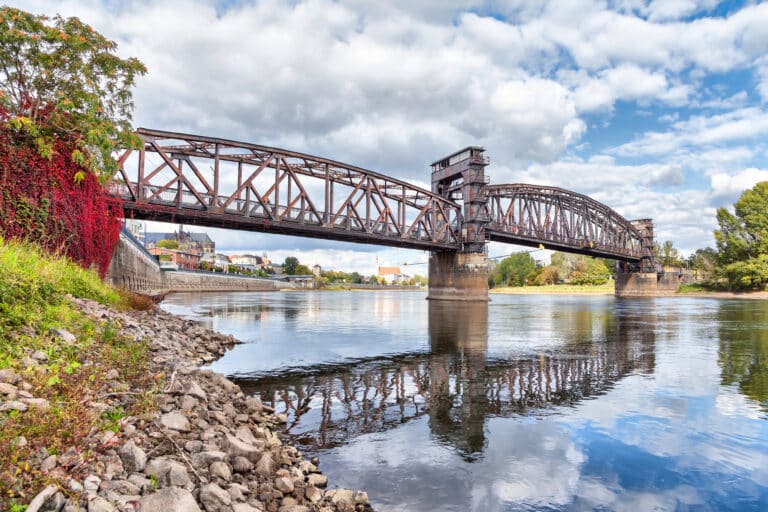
column 696, row 288
column 33, row 301
column 559, row 289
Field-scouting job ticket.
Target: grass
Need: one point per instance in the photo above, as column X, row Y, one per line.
column 696, row 288
column 33, row 301
column 559, row 289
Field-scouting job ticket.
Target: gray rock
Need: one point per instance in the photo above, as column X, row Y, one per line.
column 214, row 498
column 342, row 499
column 241, row 465
column 293, row 508
column 361, row 498
column 175, row 421
column 206, row 458
column 313, row 494
column 229, row 410
column 237, row 448
column 42, row 498
column 9, row 390
column 39, row 355
column 284, row 484
column 75, row 486
column 254, row 405
column 49, row 463
column 142, row 483
column 64, row 335
column 99, row 504
column 134, row 458
column 193, row 446
column 244, row 434
column 221, row 470
column 38, row 403
column 125, row 487
column 178, row 476
column 244, row 507
column 194, row 389
column 21, row 442
column 171, row 499
column 9, row 376
column 112, row 374
column 237, row 492
column 317, row 479
column 91, row 483
column 188, row 402
column 13, row 406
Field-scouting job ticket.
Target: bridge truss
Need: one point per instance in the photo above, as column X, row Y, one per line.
column 560, row 219
column 191, row 179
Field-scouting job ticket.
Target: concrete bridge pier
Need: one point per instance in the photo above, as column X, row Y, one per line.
column 458, row 276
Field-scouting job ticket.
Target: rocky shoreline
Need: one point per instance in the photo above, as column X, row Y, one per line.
column 207, row 447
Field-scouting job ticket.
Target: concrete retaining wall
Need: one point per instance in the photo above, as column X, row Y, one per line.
column 651, row 284
column 133, row 268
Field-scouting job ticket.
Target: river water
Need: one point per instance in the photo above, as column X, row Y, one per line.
column 532, row 402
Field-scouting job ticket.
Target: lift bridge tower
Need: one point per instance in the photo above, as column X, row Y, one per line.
column 462, row 275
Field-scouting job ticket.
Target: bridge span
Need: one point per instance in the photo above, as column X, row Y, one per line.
column 193, row 179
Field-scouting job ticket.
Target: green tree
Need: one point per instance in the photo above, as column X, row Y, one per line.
column 167, row 244
column 302, row 270
column 667, row 254
column 60, row 79
column 594, row 272
column 703, row 260
column 742, row 240
column 547, row 275
column 290, row 264
column 514, row 270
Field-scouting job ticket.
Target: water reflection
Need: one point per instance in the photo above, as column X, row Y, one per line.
column 743, row 355
column 456, row 384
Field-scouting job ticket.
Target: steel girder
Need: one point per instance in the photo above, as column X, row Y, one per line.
column 560, row 219
column 177, row 177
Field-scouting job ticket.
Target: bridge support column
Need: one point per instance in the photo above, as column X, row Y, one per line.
column 460, row 276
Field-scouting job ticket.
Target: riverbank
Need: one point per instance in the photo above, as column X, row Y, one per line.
column 106, row 409
column 557, row 289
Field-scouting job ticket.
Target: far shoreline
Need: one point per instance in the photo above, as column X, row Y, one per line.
column 604, row 290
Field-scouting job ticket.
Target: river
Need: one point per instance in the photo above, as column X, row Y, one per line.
column 531, row 402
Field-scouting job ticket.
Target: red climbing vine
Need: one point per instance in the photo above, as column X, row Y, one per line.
column 55, row 202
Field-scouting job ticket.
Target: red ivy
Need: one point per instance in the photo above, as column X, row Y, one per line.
column 42, row 201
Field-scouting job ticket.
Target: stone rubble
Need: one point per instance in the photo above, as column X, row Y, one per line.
column 208, row 448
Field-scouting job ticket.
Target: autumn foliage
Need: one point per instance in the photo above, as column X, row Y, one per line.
column 55, row 202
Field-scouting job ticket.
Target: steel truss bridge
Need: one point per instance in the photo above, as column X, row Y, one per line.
column 192, row 179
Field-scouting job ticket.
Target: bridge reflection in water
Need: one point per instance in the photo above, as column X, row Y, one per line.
column 455, row 384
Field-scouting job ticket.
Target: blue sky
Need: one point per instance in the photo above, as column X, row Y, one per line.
column 654, row 107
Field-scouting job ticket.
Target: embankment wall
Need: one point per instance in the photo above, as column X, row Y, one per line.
column 133, row 268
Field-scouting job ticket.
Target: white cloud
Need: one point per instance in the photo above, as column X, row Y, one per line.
column 392, row 86
column 700, row 131
column 729, row 187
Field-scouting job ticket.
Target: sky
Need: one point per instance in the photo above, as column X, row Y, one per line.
column 656, row 108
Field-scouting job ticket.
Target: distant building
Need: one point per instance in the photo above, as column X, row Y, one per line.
column 195, row 243
column 135, row 228
column 393, row 275
column 181, row 259
column 316, row 270
column 246, row 259
column 278, row 269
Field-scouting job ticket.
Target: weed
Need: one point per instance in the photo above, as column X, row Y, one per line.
column 33, row 290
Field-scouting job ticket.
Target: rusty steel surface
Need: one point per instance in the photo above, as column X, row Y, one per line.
column 192, row 179
column 560, row 219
